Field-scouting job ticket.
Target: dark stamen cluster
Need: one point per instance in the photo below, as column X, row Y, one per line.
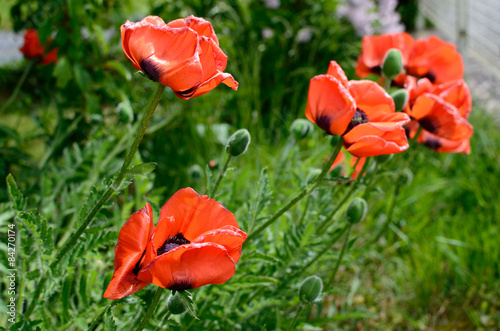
column 171, row 243
column 358, row 118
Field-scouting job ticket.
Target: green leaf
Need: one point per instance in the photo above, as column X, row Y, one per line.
column 100, row 38
column 82, row 77
column 109, row 321
column 15, row 195
column 263, row 195
column 62, row 72
column 142, row 169
column 189, row 303
column 119, row 68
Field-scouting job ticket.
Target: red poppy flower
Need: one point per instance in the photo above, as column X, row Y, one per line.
column 374, row 48
column 32, row 49
column 196, row 242
column 437, row 143
column 436, row 60
column 361, row 111
column 183, row 54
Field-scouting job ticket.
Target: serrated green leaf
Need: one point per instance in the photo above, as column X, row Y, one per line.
column 189, row 303
column 82, row 77
column 109, row 321
column 15, row 195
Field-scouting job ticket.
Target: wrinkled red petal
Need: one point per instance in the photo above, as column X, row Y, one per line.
column 372, row 139
column 51, row 57
column 443, row 145
column 371, row 98
column 440, row 118
column 458, row 94
column 192, row 214
column 32, row 48
column 228, row 236
column 132, row 242
column 329, row 104
column 190, row 266
column 198, row 24
column 335, row 70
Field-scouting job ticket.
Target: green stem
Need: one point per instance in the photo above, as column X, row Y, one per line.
column 307, row 190
column 151, row 308
column 341, row 256
column 109, row 192
column 95, row 322
column 18, row 87
column 165, row 318
column 387, row 84
column 329, row 219
column 296, row 318
column 221, row 176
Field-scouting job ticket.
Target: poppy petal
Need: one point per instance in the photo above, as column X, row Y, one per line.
column 192, row 214
column 443, row 145
column 329, row 104
column 198, row 24
column 228, row 236
column 440, row 118
column 458, row 94
column 190, row 266
column 371, row 98
column 132, row 242
column 335, row 70
column 372, row 139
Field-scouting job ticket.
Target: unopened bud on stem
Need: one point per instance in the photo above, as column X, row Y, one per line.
column 311, row 288
column 356, row 211
column 238, row 143
column 392, row 64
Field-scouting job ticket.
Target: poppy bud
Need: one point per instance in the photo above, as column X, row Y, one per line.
column 313, row 174
column 175, row 304
column 400, row 98
column 238, row 143
column 125, row 112
column 392, row 63
column 356, row 211
column 311, row 288
column 301, row 128
column 195, row 172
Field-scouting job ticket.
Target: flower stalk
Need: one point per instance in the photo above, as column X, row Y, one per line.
column 119, row 177
column 151, row 308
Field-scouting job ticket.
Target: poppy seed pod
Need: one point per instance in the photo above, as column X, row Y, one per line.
column 400, row 98
column 125, row 112
column 356, row 211
column 175, row 304
column 310, row 289
column 301, row 128
column 392, row 63
column 238, row 143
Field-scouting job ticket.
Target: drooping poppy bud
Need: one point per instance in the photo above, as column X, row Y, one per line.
column 175, row 304
column 238, row 143
column 392, row 64
column 356, row 211
column 125, row 112
column 400, row 98
column 310, row 289
column 301, row 128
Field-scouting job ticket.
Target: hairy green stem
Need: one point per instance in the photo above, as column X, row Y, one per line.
column 151, row 309
column 307, row 190
column 95, row 322
column 118, row 179
column 18, row 87
column 221, row 176
column 341, row 256
column 296, row 318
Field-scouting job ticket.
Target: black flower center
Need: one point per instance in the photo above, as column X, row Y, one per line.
column 150, row 69
column 358, row 118
column 433, row 144
column 171, row 243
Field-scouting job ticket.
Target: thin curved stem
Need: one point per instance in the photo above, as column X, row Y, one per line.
column 221, row 176
column 18, row 87
column 95, row 322
column 341, row 256
column 296, row 318
column 119, row 177
column 151, row 308
column 307, row 190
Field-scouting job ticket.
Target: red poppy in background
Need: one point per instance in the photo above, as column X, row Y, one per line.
column 442, row 112
column 32, row 49
column 361, row 111
column 374, row 49
column 183, row 54
column 436, row 60
column 196, row 242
